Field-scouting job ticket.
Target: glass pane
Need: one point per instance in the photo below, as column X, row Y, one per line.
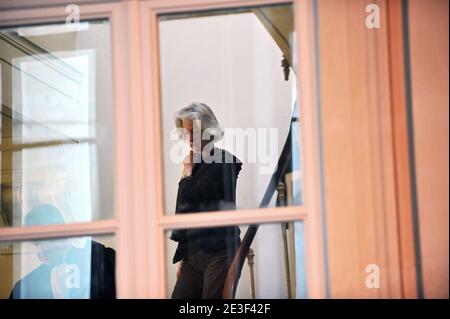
column 76, row 268
column 229, row 98
column 56, row 122
column 205, row 262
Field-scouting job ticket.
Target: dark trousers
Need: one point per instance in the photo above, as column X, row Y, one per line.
column 203, row 275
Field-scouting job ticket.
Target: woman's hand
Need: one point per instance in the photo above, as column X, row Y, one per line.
column 188, row 164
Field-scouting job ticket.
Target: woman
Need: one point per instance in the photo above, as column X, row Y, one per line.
column 208, row 183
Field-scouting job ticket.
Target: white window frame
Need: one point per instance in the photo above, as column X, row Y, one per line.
column 140, row 223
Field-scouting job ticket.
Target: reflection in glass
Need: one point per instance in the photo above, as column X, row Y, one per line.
column 56, row 121
column 269, row 262
column 79, row 268
column 240, row 63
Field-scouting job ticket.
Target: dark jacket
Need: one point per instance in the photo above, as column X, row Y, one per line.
column 211, row 187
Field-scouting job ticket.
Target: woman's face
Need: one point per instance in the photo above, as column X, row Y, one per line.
column 193, row 130
column 188, row 126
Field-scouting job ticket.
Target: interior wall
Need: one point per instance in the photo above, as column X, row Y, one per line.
column 429, row 51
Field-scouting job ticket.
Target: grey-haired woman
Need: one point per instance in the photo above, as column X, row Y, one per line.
column 208, row 183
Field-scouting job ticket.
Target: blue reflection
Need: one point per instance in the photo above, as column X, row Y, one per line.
column 77, row 268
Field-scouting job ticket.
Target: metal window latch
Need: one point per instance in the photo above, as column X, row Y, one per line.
column 286, row 66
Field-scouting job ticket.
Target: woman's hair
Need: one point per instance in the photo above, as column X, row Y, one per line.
column 202, row 112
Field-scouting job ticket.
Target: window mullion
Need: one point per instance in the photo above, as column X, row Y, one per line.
column 58, row 231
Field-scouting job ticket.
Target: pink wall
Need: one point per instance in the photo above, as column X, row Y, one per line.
column 358, row 159
column 364, row 213
column 428, row 27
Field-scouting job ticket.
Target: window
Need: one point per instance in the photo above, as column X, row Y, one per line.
column 103, row 165
column 56, row 122
column 57, row 153
column 77, row 267
column 236, row 71
column 273, row 268
column 239, row 62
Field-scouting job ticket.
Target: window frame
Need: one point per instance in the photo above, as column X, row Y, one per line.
column 310, row 212
column 140, row 224
column 40, row 14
